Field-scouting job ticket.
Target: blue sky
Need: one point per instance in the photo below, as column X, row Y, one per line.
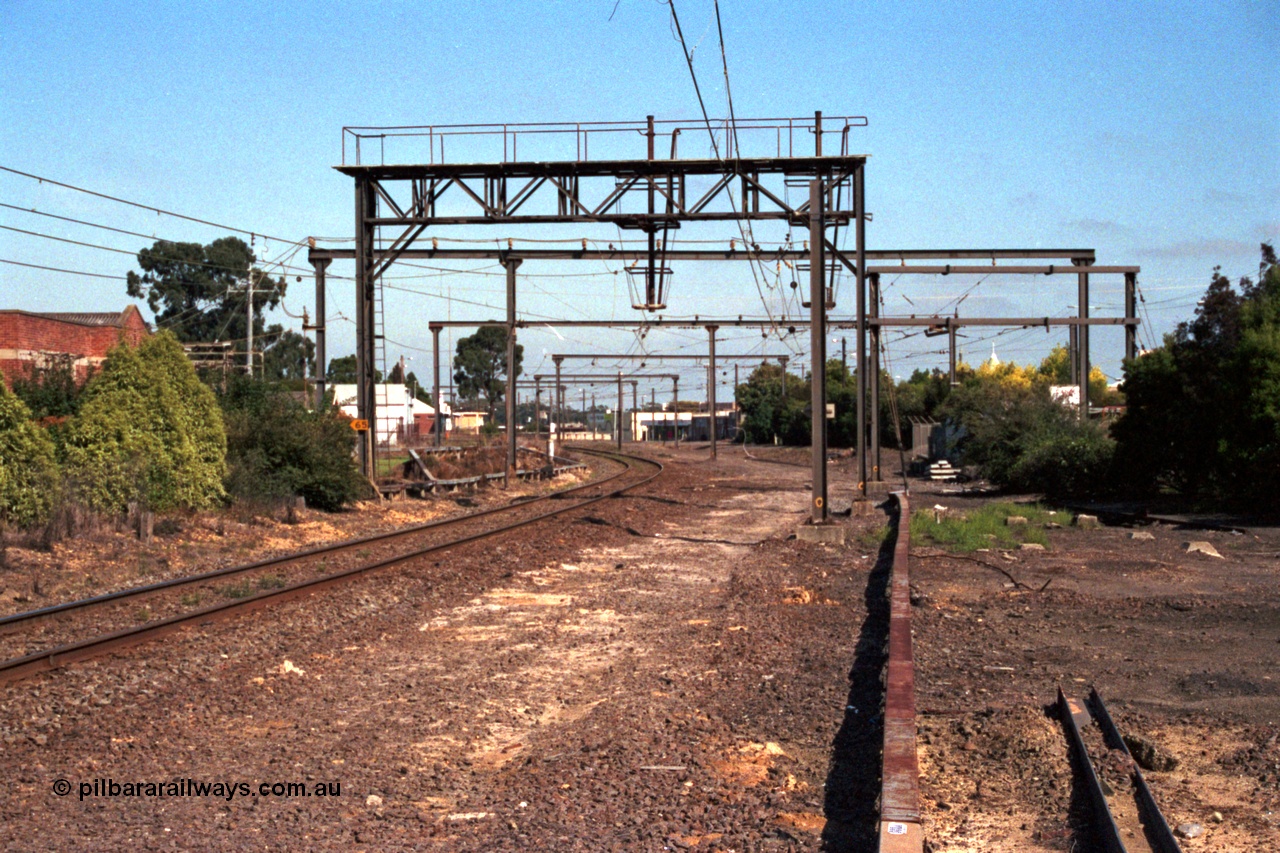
column 1150, row 132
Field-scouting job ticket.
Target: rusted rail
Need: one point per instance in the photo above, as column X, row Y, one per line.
column 18, row 668
column 900, row 830
column 1156, row 835
column 286, row 559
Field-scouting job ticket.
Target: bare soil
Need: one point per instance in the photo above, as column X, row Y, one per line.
column 670, row 670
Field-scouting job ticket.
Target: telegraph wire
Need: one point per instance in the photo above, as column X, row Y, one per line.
column 157, row 210
column 58, row 269
column 715, row 146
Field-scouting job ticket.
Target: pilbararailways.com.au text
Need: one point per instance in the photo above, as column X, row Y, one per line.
column 227, row 790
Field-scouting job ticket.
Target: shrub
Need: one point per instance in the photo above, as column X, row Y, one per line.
column 1067, row 464
column 276, row 448
column 1022, row 440
column 28, row 471
column 149, row 431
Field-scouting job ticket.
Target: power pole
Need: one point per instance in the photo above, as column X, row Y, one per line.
column 248, row 354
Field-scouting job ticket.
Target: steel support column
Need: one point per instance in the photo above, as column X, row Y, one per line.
column 873, row 374
column 860, row 260
column 511, row 266
column 818, row 350
column 559, row 396
column 617, row 413
column 366, row 327
column 635, row 408
column 1130, row 310
column 675, row 406
column 951, row 354
column 711, row 384
column 1082, row 344
column 320, row 266
column 537, row 410
column 1073, row 358
column 437, row 428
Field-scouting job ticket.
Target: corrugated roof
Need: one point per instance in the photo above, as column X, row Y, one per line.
column 87, row 319
column 80, row 318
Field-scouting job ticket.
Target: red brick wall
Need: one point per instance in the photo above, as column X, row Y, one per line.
column 24, row 335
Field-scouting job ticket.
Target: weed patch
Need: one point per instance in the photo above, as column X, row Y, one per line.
column 241, row 590
column 986, row 527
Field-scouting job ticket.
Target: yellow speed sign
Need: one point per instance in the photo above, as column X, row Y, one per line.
column 360, row 425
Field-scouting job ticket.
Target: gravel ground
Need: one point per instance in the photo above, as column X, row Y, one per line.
column 669, row 670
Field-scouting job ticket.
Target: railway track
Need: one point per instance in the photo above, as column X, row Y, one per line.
column 51, row 637
column 1126, row 817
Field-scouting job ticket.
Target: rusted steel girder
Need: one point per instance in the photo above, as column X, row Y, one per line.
column 900, row 830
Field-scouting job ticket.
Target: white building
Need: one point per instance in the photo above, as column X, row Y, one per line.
column 400, row 418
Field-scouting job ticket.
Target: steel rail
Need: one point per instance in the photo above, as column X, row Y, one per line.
column 287, row 559
column 18, row 668
column 1158, row 836
column 900, row 829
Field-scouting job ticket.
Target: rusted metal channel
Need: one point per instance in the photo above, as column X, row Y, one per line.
column 18, row 668
column 900, row 830
column 1073, row 716
column 1158, row 832
column 1158, row 836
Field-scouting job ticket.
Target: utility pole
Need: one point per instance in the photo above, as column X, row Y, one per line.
column 248, row 347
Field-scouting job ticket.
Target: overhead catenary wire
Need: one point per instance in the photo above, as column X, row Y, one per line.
column 59, row 269
column 714, row 144
column 157, row 210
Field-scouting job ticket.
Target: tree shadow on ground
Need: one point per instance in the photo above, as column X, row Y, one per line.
column 851, row 803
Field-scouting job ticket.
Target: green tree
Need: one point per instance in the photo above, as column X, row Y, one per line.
column 51, row 390
column 772, row 405
column 149, row 430
column 276, row 448
column 1056, row 370
column 1021, row 439
column 199, row 292
column 289, row 355
column 1203, row 414
column 480, row 366
column 28, row 472
column 343, row 371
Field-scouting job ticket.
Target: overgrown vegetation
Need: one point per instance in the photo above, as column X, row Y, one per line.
column 1021, row 439
column 1204, row 409
column 148, row 431
column 276, row 448
column 985, row 527
column 29, row 478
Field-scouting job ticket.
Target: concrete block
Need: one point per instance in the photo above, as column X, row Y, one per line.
column 1087, row 522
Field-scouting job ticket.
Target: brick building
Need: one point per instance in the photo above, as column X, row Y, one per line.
column 30, row 340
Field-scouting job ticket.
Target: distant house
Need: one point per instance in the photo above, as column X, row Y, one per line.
column 470, row 422
column 30, row 341
column 693, row 426
column 402, row 419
